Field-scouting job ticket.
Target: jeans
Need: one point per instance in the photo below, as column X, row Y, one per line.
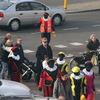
column 4, row 67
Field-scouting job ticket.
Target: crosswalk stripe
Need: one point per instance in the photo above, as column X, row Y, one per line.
column 76, row 44
column 28, row 51
column 60, row 46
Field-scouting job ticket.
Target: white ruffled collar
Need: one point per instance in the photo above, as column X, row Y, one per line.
column 47, row 18
column 77, row 77
column 60, row 62
column 88, row 73
column 13, row 56
column 51, row 69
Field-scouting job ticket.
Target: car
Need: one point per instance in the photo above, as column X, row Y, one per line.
column 11, row 90
column 17, row 13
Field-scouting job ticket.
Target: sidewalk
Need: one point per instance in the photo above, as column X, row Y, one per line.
column 82, row 7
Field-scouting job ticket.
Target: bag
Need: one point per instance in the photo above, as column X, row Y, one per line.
column 82, row 97
column 53, row 34
column 94, row 60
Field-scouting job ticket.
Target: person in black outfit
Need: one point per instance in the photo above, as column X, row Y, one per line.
column 8, row 36
column 42, row 51
column 21, row 53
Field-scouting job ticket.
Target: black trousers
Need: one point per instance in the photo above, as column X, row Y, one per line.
column 47, row 35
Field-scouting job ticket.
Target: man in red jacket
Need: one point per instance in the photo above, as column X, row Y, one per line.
column 46, row 26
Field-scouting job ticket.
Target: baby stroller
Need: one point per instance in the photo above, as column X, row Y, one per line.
column 27, row 69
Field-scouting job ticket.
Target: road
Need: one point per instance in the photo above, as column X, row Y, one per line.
column 60, row 2
column 71, row 37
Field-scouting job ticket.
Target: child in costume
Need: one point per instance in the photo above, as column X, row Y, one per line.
column 61, row 62
column 78, row 83
column 89, row 75
column 14, row 63
column 48, row 77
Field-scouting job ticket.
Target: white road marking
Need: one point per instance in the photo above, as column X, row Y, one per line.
column 36, row 33
column 98, row 90
column 60, row 46
column 28, row 51
column 71, row 28
column 95, row 25
column 76, row 44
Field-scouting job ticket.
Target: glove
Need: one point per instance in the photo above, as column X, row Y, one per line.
column 40, row 89
column 53, row 34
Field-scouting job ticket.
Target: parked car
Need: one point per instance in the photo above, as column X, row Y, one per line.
column 16, row 13
column 10, row 90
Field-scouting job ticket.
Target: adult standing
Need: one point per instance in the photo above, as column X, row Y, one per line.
column 8, row 36
column 43, row 50
column 62, row 87
column 46, row 26
column 19, row 44
column 4, row 59
column 89, row 75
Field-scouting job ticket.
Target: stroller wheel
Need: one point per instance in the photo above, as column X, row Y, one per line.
column 27, row 76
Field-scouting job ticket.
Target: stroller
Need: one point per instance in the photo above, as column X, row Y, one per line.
column 27, row 69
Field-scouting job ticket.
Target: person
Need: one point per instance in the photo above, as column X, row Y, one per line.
column 46, row 26
column 78, row 83
column 44, row 63
column 62, row 87
column 19, row 44
column 14, row 62
column 92, row 45
column 43, row 50
column 4, row 59
column 89, row 75
column 47, row 78
column 61, row 62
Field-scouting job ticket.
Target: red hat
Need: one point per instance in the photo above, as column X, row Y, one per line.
column 46, row 14
column 14, row 48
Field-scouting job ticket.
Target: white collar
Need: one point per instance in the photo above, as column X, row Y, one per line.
column 13, row 56
column 51, row 69
column 88, row 73
column 47, row 18
column 77, row 77
column 60, row 62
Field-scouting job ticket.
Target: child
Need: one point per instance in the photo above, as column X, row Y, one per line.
column 44, row 63
column 61, row 62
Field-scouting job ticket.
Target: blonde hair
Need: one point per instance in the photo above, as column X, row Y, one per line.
column 93, row 35
column 8, row 41
column 44, row 39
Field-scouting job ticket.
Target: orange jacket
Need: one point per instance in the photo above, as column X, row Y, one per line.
column 43, row 28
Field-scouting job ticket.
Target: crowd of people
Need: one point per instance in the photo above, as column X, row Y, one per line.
column 51, row 75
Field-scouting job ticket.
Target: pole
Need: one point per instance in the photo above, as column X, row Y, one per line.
column 65, row 4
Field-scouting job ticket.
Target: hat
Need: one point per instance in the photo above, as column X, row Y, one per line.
column 88, row 64
column 63, row 73
column 76, row 69
column 61, row 53
column 14, row 48
column 51, row 60
column 46, row 14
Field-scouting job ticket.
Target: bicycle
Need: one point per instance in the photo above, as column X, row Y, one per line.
column 79, row 60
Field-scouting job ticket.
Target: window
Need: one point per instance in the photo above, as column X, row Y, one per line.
column 37, row 6
column 23, row 7
column 4, row 5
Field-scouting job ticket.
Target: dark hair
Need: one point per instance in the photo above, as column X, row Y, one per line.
column 63, row 73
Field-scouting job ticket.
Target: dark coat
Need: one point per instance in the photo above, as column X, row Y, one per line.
column 59, row 89
column 21, row 53
column 40, row 54
column 2, row 52
column 91, row 46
